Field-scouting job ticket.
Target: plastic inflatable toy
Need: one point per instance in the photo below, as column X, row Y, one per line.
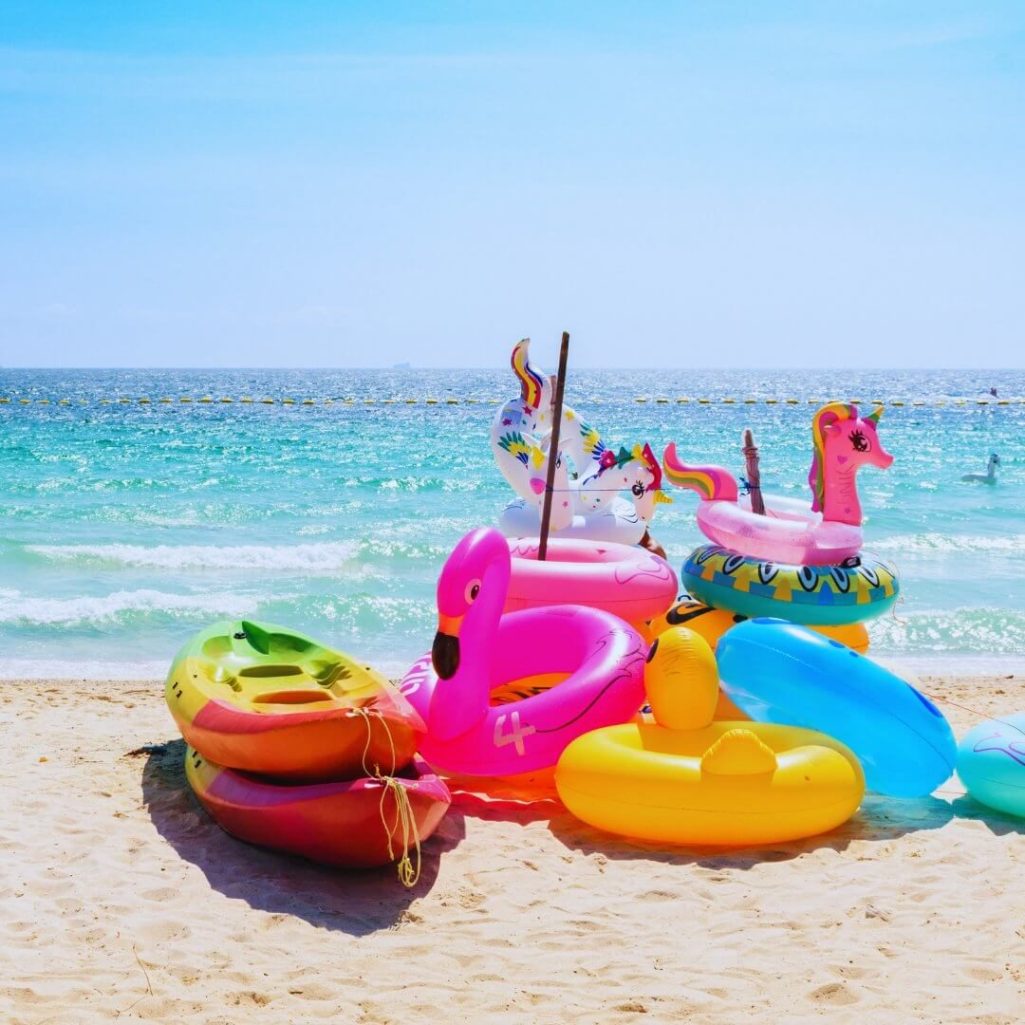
column 713, row 623
column 827, row 532
column 588, row 504
column 355, row 823
column 267, row 699
column 583, row 668
column 991, row 763
column 687, row 780
column 627, row 581
column 778, row 672
column 811, row 595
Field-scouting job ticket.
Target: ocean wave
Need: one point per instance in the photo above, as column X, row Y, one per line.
column 936, row 543
column 306, row 558
column 80, row 669
column 986, row 632
column 119, row 607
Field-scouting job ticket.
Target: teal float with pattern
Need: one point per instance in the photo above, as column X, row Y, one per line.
column 857, row 589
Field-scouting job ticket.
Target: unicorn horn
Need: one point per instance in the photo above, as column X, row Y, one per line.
column 875, row 414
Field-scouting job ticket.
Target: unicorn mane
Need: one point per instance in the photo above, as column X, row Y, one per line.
column 647, row 457
column 828, row 414
column 531, row 381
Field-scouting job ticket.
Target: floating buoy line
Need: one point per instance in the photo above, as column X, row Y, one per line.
column 658, row 400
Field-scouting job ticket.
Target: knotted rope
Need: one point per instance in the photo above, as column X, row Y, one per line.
column 405, row 820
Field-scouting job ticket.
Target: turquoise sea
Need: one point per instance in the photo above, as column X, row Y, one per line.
column 126, row 525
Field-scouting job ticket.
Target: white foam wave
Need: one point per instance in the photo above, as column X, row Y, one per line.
column 986, row 632
column 98, row 669
column 86, row 669
column 25, row 609
column 934, row 543
column 305, row 558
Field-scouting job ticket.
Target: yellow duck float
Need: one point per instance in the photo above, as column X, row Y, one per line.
column 686, row 779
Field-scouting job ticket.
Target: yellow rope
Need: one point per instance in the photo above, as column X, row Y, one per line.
column 405, row 820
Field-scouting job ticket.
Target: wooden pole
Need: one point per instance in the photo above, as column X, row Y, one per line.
column 553, row 448
column 754, row 480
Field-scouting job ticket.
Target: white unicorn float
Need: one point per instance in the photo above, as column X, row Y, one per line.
column 588, row 503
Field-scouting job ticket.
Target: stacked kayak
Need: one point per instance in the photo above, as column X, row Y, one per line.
column 297, row 747
column 351, row 823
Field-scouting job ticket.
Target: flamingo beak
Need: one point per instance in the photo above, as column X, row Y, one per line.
column 445, row 650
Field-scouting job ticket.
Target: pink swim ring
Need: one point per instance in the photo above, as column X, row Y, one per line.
column 629, row 582
column 594, row 659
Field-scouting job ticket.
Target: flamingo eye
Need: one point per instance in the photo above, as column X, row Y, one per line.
column 859, row 442
column 472, row 590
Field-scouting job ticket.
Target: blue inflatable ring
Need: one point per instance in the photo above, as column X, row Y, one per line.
column 778, row 672
column 991, row 763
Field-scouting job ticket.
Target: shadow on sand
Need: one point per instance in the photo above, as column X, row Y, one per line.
column 362, row 902
column 356, row 902
column 878, row 820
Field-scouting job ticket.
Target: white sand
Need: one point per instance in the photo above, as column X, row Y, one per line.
column 121, row 901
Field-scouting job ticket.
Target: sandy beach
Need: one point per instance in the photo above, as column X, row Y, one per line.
column 121, row 900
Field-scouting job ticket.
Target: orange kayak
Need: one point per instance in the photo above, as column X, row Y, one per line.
column 266, row 699
column 353, row 823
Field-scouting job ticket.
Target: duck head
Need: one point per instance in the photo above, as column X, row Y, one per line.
column 471, row 592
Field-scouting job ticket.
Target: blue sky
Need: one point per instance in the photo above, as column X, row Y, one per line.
column 359, row 184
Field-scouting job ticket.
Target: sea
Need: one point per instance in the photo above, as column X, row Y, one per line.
column 138, row 506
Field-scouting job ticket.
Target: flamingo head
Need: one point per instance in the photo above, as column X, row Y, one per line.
column 473, row 581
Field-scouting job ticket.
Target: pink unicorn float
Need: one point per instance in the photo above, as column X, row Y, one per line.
column 610, row 495
column 825, row 533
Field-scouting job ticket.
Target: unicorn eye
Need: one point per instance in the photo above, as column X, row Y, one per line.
column 472, row 590
column 638, row 489
column 858, row 441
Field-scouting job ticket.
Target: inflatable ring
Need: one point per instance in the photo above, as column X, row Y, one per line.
column 686, row 779
column 631, row 583
column 782, row 673
column 580, row 668
column 811, row 595
column 729, row 783
column 617, row 523
column 713, row 623
column 788, row 531
column 991, row 763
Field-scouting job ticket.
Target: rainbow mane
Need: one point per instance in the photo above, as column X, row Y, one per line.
column 828, row 414
column 712, row 483
column 531, row 382
column 647, row 457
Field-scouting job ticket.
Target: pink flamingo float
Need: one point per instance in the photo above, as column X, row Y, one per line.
column 570, row 669
column 825, row 533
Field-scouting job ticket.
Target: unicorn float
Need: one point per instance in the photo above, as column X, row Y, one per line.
column 825, row 533
column 796, row 562
column 590, row 502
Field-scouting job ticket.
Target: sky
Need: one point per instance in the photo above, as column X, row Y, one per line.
column 324, row 183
